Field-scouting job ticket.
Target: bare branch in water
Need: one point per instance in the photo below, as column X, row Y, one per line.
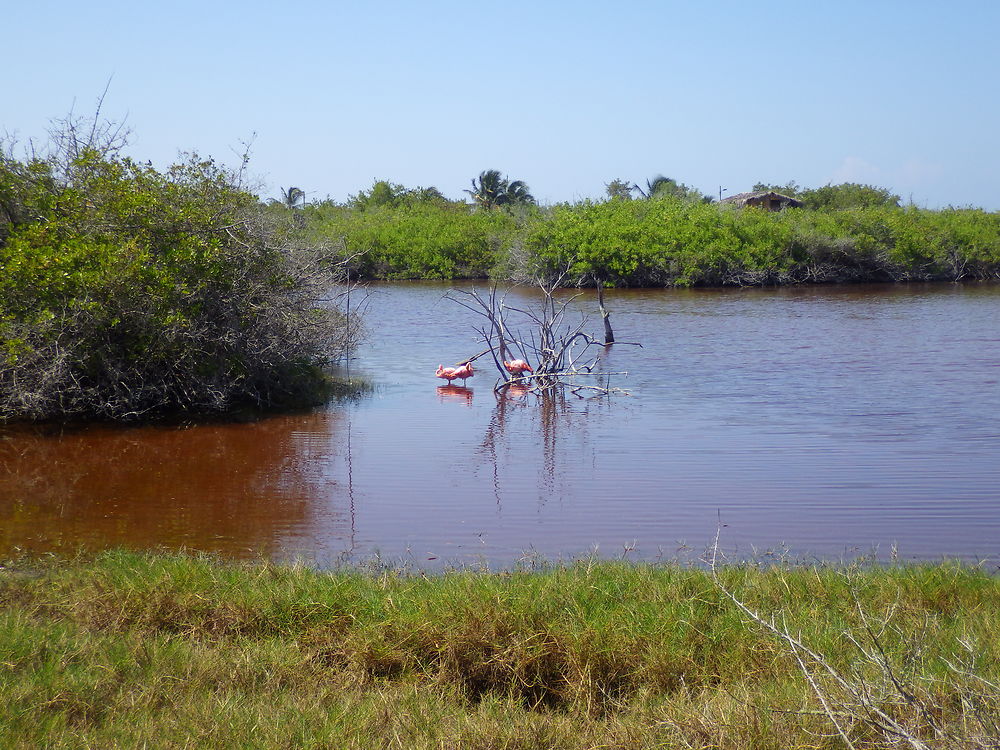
column 542, row 348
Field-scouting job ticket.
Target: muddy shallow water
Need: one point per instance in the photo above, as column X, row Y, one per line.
column 829, row 422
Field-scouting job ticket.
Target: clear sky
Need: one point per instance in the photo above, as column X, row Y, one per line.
column 564, row 95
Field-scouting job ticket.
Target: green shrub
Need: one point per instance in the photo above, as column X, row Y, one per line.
column 416, row 239
column 127, row 292
column 681, row 243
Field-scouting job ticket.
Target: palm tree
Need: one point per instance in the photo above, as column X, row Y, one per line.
column 518, row 193
column 661, row 186
column 292, row 197
column 490, row 190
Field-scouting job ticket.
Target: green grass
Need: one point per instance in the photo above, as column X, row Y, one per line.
column 132, row 650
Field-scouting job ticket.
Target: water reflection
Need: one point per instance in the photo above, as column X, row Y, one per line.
column 552, row 423
column 507, row 397
column 515, row 392
column 455, row 393
column 233, row 488
column 829, row 419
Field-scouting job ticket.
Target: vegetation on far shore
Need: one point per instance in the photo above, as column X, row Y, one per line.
column 668, row 236
column 168, row 650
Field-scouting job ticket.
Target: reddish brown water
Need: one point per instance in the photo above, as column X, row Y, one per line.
column 826, row 421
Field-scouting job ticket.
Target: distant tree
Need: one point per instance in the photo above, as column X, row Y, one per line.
column 619, row 189
column 792, row 189
column 518, row 193
column 293, row 197
column 653, row 186
column 661, row 187
column 490, row 190
column 427, row 195
column 848, row 195
column 392, row 194
column 381, row 193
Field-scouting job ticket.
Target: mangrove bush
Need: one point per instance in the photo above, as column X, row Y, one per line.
column 668, row 240
column 127, row 292
column 414, row 239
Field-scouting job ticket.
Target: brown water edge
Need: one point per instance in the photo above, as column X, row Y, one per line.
column 222, row 487
column 829, row 420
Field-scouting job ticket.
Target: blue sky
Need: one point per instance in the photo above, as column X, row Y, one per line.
column 564, row 95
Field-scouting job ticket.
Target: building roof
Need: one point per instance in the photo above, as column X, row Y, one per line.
column 741, row 199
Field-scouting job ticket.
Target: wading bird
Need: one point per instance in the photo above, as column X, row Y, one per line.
column 517, row 367
column 451, row 373
column 448, row 373
column 465, row 371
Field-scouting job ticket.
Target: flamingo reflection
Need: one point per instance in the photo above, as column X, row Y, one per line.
column 454, row 393
column 515, row 391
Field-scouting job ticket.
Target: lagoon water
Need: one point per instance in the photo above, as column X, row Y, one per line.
column 817, row 422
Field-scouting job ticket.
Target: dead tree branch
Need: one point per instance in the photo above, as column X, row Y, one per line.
column 548, row 336
column 878, row 692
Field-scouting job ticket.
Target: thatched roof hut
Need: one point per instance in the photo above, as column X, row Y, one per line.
column 766, row 199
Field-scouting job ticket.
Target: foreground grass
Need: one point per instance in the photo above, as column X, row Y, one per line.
column 133, row 650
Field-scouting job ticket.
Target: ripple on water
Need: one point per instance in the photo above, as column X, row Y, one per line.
column 830, row 420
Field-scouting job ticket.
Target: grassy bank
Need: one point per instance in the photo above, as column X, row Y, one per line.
column 132, row 650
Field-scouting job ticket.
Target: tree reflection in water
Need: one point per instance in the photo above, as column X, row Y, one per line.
column 234, row 488
column 553, row 413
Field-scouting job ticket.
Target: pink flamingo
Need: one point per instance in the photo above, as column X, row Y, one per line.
column 517, row 367
column 465, row 371
column 448, row 373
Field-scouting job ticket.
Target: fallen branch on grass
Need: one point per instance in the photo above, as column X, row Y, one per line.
column 898, row 706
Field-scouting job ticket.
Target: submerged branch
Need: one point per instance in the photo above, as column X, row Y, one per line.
column 554, row 351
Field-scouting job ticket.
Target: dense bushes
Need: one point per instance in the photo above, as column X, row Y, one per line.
column 415, row 239
column 127, row 292
column 846, row 195
column 669, row 241
column 676, row 243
